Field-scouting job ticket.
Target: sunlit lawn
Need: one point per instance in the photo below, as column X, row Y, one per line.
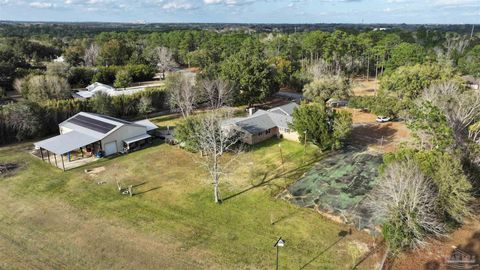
column 174, row 198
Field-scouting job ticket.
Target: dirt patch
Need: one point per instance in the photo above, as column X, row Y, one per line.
column 95, row 171
column 8, row 169
column 437, row 253
column 383, row 137
column 362, row 87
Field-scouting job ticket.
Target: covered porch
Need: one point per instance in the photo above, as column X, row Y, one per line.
column 135, row 143
column 69, row 150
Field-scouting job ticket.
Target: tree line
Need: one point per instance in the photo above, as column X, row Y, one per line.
column 30, row 119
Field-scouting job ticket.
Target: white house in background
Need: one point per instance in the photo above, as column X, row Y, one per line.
column 94, row 88
column 471, row 82
column 92, row 133
column 59, row 59
column 262, row 125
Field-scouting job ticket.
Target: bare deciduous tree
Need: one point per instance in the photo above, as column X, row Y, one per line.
column 42, row 87
column 461, row 108
column 145, row 106
column 164, row 58
column 321, row 68
column 182, row 93
column 455, row 43
column 217, row 93
column 406, row 200
column 91, row 55
column 219, row 147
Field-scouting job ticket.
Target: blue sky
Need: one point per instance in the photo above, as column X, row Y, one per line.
column 245, row 11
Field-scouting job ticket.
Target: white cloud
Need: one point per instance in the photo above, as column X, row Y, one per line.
column 42, row 5
column 178, row 5
column 229, row 2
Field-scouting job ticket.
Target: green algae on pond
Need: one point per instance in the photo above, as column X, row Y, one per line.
column 338, row 185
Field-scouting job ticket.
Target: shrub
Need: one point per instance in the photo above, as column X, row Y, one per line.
column 185, row 133
column 80, row 76
column 324, row 128
column 405, row 201
column 447, row 174
column 122, row 79
column 140, row 72
column 43, row 87
column 105, row 75
column 379, row 105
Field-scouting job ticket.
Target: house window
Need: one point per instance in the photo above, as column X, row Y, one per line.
column 260, row 134
column 268, row 131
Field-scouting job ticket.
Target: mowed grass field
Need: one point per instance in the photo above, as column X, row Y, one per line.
column 51, row 219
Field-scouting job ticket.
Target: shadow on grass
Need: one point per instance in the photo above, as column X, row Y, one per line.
column 297, row 172
column 143, row 192
column 102, row 161
column 341, row 234
column 137, row 185
column 285, row 217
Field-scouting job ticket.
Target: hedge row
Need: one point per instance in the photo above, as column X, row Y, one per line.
column 30, row 120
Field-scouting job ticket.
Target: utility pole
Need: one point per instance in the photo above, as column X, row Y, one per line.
column 281, row 154
column 473, row 29
column 304, row 146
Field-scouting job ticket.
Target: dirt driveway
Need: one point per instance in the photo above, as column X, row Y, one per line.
column 383, row 137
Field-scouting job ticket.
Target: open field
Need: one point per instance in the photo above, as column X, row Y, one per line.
column 362, row 87
column 55, row 220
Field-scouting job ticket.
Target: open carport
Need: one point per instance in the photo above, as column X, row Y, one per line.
column 64, row 144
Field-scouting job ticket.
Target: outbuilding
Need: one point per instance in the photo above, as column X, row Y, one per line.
column 94, row 88
column 94, row 135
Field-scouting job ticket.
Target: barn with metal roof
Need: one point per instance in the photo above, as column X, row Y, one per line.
column 94, row 135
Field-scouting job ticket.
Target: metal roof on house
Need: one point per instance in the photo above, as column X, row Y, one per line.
column 86, row 128
column 137, row 138
column 83, row 94
column 95, row 125
column 65, row 143
column 91, row 123
column 146, row 123
column 96, row 86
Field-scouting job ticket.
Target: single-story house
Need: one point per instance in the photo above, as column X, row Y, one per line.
column 262, row 125
column 94, row 88
column 335, row 103
column 96, row 134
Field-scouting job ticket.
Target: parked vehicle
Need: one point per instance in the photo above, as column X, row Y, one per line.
column 383, row 119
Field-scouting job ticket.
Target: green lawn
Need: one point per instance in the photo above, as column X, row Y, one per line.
column 50, row 218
